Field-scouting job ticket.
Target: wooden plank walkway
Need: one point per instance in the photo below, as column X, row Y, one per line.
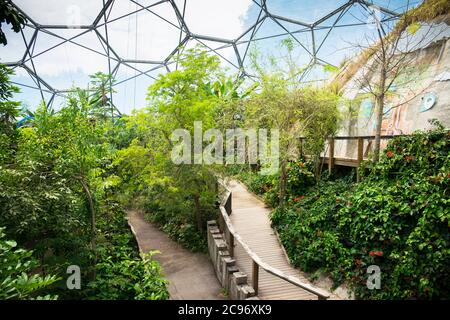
column 250, row 219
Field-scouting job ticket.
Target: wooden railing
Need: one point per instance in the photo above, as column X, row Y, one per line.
column 231, row 236
column 332, row 160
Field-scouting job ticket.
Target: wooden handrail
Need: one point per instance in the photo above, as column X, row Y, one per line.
column 332, row 160
column 322, row 294
column 383, row 136
column 360, row 137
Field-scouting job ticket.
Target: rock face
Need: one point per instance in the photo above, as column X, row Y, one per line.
column 418, row 94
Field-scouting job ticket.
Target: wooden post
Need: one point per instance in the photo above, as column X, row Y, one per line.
column 330, row 155
column 228, row 205
column 301, row 148
column 231, row 245
column 222, row 225
column 255, row 277
column 360, row 157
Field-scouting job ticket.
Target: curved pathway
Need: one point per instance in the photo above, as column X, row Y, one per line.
column 191, row 275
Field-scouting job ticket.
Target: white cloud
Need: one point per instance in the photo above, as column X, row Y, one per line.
column 223, row 19
column 63, row 12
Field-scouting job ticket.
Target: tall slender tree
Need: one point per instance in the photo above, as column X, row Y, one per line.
column 390, row 54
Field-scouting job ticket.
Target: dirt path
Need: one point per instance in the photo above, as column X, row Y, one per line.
column 191, row 275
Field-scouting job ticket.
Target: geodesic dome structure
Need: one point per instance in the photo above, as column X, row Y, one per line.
column 135, row 40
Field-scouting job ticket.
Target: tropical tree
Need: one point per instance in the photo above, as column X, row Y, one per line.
column 176, row 101
column 47, row 188
column 8, row 114
column 100, row 94
column 282, row 103
column 389, row 56
column 179, row 196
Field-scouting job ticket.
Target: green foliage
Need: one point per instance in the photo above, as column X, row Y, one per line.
column 100, row 98
column 282, row 103
column 183, row 231
column 299, row 179
column 180, row 198
column 10, row 15
column 121, row 274
column 308, row 228
column 8, row 113
column 41, row 192
column 404, row 201
column 265, row 185
column 56, row 196
column 330, row 68
column 396, row 218
column 16, row 278
column 129, row 278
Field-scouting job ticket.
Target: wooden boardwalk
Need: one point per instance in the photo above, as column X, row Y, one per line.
column 250, row 219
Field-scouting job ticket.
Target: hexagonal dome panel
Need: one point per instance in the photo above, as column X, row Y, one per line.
column 65, row 41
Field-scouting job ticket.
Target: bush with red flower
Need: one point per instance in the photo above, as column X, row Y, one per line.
column 397, row 218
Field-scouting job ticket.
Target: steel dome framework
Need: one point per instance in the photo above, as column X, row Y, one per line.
column 147, row 68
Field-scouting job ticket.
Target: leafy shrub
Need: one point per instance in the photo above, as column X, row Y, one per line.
column 396, row 218
column 264, row 185
column 138, row 279
column 16, row 278
column 186, row 234
column 173, row 213
column 308, row 228
column 120, row 273
column 299, row 177
column 56, row 197
column 401, row 209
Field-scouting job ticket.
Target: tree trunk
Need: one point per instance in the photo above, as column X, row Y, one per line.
column 198, row 212
column 91, row 208
column 283, row 178
column 379, row 121
column 379, row 98
column 318, row 166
